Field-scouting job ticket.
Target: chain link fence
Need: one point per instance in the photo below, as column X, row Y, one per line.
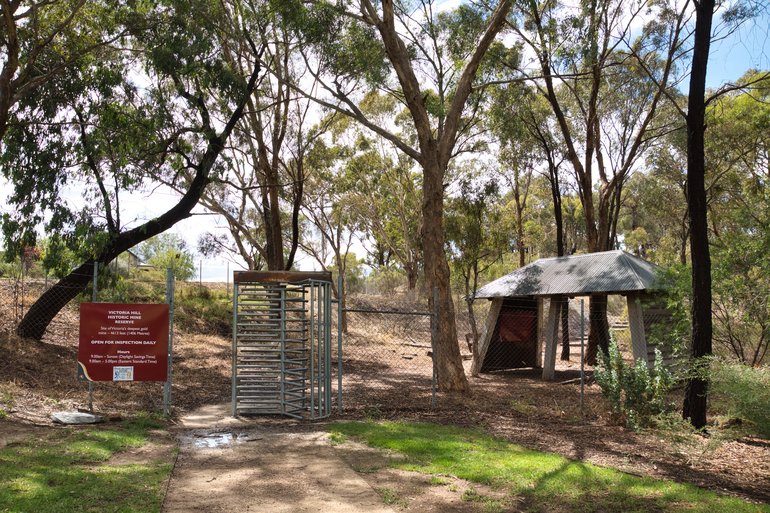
column 387, row 352
column 516, row 331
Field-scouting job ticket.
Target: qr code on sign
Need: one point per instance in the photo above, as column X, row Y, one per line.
column 122, row 374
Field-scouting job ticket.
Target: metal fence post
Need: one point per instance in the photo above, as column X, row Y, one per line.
column 339, row 342
column 94, row 292
column 170, row 300
column 582, row 355
column 234, row 369
column 433, row 337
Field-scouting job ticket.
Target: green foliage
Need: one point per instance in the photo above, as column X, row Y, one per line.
column 203, row 310
column 64, row 472
column 635, row 393
column 168, row 250
column 545, row 482
column 391, row 497
column 384, row 280
column 354, row 273
column 119, row 289
column 742, row 392
column 6, row 401
column 672, row 336
column 474, row 238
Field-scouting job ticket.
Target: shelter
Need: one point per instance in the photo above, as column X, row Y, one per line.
column 516, row 315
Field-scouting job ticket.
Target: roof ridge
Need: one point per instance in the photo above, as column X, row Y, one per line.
column 632, row 265
column 579, row 255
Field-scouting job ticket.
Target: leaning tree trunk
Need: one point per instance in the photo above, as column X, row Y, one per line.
column 451, row 375
column 42, row 311
column 695, row 400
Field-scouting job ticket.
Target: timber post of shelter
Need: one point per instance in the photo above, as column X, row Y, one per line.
column 282, row 356
column 526, row 290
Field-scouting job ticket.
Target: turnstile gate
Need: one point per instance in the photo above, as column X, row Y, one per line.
column 282, row 361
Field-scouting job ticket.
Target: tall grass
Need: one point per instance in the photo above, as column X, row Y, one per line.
column 742, row 392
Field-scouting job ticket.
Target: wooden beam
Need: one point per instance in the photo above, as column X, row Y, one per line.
column 280, row 276
column 540, row 324
column 636, row 325
column 486, row 335
column 551, row 335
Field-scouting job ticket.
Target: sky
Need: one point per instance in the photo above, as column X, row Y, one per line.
column 748, row 47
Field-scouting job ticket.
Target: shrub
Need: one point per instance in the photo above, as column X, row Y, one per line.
column 743, row 392
column 636, row 393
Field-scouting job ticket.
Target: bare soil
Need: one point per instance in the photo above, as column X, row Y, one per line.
column 39, row 378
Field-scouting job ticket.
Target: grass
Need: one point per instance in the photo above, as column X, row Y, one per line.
column 391, row 497
column 6, row 401
column 490, row 505
column 545, row 482
column 64, row 472
column 204, row 310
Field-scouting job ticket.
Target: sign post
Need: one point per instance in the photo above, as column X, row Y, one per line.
column 170, row 300
column 123, row 342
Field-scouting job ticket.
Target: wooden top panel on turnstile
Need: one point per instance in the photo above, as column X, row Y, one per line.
column 280, row 276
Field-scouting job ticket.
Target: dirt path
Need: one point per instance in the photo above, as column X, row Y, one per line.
column 231, row 466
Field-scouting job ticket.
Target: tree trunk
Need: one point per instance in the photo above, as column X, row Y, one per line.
column 411, row 277
column 451, row 375
column 695, row 399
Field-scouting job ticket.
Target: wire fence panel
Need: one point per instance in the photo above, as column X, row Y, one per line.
column 387, row 357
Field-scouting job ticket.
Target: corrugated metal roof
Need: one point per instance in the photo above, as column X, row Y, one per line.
column 575, row 275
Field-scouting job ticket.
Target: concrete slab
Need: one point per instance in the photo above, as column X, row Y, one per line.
column 248, row 468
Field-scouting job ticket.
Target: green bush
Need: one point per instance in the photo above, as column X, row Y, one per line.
column 742, row 392
column 636, row 393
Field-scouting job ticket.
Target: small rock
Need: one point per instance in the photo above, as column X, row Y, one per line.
column 74, row 417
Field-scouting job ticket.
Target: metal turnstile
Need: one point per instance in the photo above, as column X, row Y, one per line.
column 282, row 344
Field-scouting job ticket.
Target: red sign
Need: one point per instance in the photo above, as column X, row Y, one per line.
column 123, row 342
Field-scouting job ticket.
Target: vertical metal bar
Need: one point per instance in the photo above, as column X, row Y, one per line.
column 94, row 286
column 282, row 348
column 234, row 369
column 319, row 354
column 310, row 350
column 170, row 300
column 94, row 292
column 433, row 337
column 94, row 299
column 582, row 354
column 340, row 302
column 328, row 346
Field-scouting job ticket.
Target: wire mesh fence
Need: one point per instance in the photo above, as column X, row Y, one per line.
column 516, row 332
column 387, row 354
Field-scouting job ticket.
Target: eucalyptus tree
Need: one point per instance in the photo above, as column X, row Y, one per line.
column 43, row 41
column 139, row 115
column 330, row 227
column 383, row 187
column 261, row 193
column 428, row 60
column 594, row 70
column 737, row 154
column 476, row 238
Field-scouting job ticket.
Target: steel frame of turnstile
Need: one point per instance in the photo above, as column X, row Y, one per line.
column 282, row 359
